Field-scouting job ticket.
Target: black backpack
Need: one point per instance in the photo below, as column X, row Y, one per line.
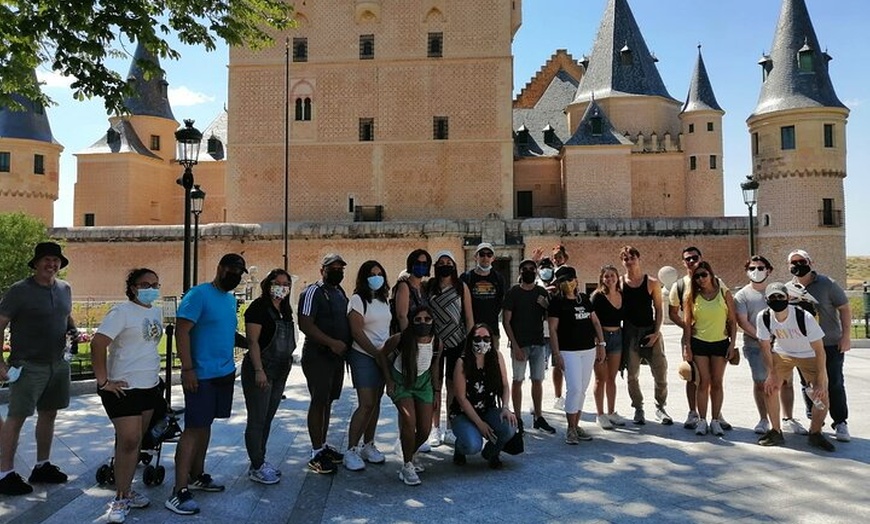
column 801, row 321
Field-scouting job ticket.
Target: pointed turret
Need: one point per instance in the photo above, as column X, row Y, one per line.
column 151, row 98
column 701, row 96
column 796, row 71
column 31, row 123
column 595, row 129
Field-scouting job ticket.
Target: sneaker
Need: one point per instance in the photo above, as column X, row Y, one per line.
column 13, row 484
column 616, row 419
column 352, row 460
column 435, row 438
column 639, row 418
column 276, row 471
column 458, row 458
column 488, row 451
column 47, row 473
column 333, row 454
column 842, row 432
column 762, row 427
column 263, row 475
column 449, row 437
column 701, row 427
column 418, row 466
column 371, row 453
column 582, row 435
column 724, row 423
column 408, row 475
column 118, row 509
column 817, row 440
column 571, row 437
column 794, row 426
column 204, row 482
column 663, row 417
column 604, row 422
column 495, row 463
column 716, row 428
column 691, row 420
column 424, row 448
column 320, row 463
column 182, row 503
column 559, row 404
column 541, row 423
column 772, row 438
column 138, row 500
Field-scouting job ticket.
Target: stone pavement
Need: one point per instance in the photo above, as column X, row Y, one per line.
column 664, row 473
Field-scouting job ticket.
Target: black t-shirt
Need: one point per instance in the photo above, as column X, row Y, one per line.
column 608, row 315
column 258, row 313
column 528, row 308
column 575, row 331
column 327, row 306
column 487, row 295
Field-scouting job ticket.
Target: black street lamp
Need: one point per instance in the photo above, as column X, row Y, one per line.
column 188, row 139
column 750, row 198
column 197, row 200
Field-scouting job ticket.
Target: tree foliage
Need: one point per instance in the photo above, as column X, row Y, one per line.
column 19, row 234
column 76, row 37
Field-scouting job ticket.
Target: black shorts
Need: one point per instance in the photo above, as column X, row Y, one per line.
column 324, row 373
column 132, row 404
column 709, row 349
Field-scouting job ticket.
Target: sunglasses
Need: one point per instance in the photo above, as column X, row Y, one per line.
column 146, row 285
column 699, row 276
column 422, row 320
column 628, row 257
column 801, row 262
column 756, row 268
column 691, row 259
column 478, row 338
column 487, row 254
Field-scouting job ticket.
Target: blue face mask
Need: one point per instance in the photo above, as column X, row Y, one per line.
column 147, row 295
column 420, row 270
column 376, row 282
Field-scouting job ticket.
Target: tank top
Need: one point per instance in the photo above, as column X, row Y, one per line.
column 710, row 318
column 475, row 391
column 607, row 314
column 637, row 304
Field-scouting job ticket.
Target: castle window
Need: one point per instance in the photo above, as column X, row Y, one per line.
column 525, row 204
column 435, row 46
column 691, row 128
column 366, row 129
column 89, row 220
column 787, row 137
column 38, row 165
column 351, row 203
column 366, row 47
column 829, row 135
column 625, row 55
column 300, row 49
column 303, row 109
column 440, row 127
column 693, row 163
column 155, row 143
column 828, row 216
column 550, row 136
column 597, row 124
column 765, row 220
column 5, row 161
column 213, row 145
column 805, row 58
column 523, row 138
column 713, row 162
column 755, row 143
column 710, row 126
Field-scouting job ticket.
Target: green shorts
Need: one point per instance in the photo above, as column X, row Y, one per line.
column 420, row 390
column 41, row 387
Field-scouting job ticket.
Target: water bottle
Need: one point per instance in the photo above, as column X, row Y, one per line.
column 159, row 428
column 816, row 402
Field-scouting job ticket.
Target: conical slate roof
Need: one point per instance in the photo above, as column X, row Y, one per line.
column 120, row 138
column 151, row 98
column 619, row 37
column 701, row 96
column 787, row 86
column 587, row 135
column 29, row 124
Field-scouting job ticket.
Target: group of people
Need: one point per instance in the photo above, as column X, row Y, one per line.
column 435, row 334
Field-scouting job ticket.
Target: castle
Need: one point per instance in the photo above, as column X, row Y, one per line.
column 404, row 134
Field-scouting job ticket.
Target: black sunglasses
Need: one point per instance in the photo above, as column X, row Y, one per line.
column 478, row 338
column 701, row 275
column 690, row 259
column 801, row 262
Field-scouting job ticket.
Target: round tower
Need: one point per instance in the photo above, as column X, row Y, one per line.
column 798, row 136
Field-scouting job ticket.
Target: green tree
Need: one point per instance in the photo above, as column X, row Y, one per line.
column 75, row 38
column 19, row 234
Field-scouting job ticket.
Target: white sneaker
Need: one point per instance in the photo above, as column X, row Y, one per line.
column 842, row 432
column 435, row 438
column 794, row 426
column 418, row 466
column 716, row 428
column 449, row 437
column 616, row 419
column 352, row 460
column 138, row 500
column 604, row 422
column 691, row 420
column 263, row 475
column 408, row 475
column 762, row 427
column 118, row 510
column 270, row 466
column 371, row 453
column 559, row 403
column 701, row 427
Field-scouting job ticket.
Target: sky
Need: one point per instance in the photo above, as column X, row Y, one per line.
column 734, row 34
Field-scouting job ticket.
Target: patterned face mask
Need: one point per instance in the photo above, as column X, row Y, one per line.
column 279, row 291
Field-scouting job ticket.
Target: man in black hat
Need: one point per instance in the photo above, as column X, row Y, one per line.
column 39, row 310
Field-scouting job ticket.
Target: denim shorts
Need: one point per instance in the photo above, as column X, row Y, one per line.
column 756, row 363
column 364, row 371
column 614, row 341
column 213, row 399
column 536, row 359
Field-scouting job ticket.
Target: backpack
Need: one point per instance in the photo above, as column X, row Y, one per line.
column 394, row 318
column 801, row 321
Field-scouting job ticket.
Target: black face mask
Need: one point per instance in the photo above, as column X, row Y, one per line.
column 778, row 305
column 229, row 281
column 422, row 329
column 799, row 270
column 443, row 271
column 334, row 277
column 528, row 277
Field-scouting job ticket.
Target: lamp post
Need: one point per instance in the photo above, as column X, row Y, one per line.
column 197, row 200
column 750, row 198
column 187, row 140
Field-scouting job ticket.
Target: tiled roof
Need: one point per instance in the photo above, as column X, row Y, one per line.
column 701, row 96
column 548, row 113
column 29, row 124
column 120, row 138
column 151, row 98
column 787, row 87
column 606, row 75
column 584, row 135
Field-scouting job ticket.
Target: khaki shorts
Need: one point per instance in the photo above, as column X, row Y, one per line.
column 784, row 366
column 41, row 387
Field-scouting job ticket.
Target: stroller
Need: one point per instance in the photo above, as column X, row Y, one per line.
column 163, row 427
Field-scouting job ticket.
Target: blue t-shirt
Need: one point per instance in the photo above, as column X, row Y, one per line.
column 212, row 338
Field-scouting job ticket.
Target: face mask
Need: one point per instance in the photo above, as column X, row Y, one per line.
column 420, row 270
column 546, row 274
column 757, row 275
column 376, row 282
column 799, row 270
column 229, row 281
column 334, row 277
column 279, row 291
column 422, row 329
column 13, row 373
column 482, row 347
column 778, row 305
column 443, row 271
column 528, row 277
column 571, row 285
column 484, row 268
column 147, row 296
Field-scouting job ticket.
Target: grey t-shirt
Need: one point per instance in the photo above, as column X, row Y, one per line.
column 830, row 296
column 39, row 318
column 748, row 301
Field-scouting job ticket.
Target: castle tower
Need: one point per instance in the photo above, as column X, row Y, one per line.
column 701, row 120
column 127, row 176
column 29, row 161
column 798, row 134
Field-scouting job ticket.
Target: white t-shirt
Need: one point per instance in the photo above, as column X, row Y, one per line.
column 424, row 358
column 135, row 332
column 376, row 321
column 789, row 339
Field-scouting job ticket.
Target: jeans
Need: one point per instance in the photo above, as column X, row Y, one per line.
column 633, row 336
column 262, row 404
column 839, row 409
column 469, row 440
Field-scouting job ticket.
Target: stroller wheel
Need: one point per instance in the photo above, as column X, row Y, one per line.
column 104, row 474
column 159, row 475
column 148, row 476
column 145, row 458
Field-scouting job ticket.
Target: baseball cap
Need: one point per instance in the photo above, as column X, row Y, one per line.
column 528, row 261
column 444, row 253
column 332, row 258
column 800, row 253
column 776, row 288
column 565, row 273
column 482, row 246
column 234, row 261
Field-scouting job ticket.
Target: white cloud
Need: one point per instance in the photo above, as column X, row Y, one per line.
column 53, row 79
column 184, row 97
column 854, row 102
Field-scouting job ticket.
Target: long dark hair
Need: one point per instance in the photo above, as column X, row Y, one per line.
column 696, row 289
column 266, row 292
column 491, row 372
column 132, row 277
column 362, row 285
column 434, row 284
column 414, row 255
column 408, row 347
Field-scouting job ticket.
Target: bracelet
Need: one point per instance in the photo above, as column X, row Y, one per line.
column 103, row 385
column 602, row 344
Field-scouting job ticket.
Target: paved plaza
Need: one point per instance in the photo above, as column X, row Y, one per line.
column 661, row 473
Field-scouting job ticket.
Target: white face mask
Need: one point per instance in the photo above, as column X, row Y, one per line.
column 757, row 275
column 279, row 291
column 482, row 347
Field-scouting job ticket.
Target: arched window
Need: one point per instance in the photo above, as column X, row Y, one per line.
column 306, row 109
column 300, row 115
